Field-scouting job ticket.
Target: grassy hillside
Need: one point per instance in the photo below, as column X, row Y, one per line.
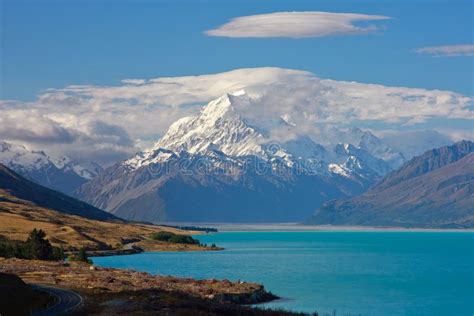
column 73, row 232
column 25, row 205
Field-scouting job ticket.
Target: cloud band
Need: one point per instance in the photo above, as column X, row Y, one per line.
column 448, row 50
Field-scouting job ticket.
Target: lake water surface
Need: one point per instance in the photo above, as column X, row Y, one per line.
column 354, row 273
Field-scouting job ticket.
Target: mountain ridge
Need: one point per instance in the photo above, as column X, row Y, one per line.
column 58, row 173
column 435, row 189
column 15, row 188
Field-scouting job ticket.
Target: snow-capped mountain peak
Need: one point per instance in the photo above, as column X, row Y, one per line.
column 224, row 107
column 15, row 154
column 86, row 170
column 219, row 128
column 224, row 161
column 59, row 173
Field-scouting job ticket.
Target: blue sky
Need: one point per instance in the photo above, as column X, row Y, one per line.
column 51, row 44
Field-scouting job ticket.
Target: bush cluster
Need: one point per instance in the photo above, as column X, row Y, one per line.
column 35, row 247
column 195, row 228
column 174, row 238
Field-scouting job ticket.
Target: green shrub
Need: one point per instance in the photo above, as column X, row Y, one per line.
column 174, row 238
column 162, row 236
column 35, row 247
column 81, row 256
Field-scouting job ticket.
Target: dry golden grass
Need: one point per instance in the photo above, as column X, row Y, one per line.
column 73, row 232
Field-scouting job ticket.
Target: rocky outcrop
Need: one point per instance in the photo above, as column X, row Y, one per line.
column 256, row 294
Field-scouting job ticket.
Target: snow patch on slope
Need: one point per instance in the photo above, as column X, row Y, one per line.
column 15, row 155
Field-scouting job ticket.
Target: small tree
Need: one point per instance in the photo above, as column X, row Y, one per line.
column 81, row 256
column 37, row 246
column 58, row 253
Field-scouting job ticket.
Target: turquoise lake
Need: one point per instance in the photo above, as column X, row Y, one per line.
column 354, row 273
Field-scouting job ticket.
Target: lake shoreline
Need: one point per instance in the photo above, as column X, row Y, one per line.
column 296, row 227
column 112, row 290
column 151, row 247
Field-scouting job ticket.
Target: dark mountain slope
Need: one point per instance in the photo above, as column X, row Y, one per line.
column 214, row 196
column 427, row 162
column 435, row 189
column 14, row 187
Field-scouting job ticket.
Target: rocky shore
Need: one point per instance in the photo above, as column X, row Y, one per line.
column 109, row 290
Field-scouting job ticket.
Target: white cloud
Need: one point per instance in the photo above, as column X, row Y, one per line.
column 448, row 50
column 133, row 81
column 414, row 142
column 296, row 25
column 31, row 125
column 458, row 134
column 111, row 122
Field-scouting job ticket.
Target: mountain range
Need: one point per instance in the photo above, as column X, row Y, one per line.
column 218, row 166
column 221, row 165
column 435, row 189
column 58, row 173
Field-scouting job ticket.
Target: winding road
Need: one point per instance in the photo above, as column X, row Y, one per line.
column 65, row 300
